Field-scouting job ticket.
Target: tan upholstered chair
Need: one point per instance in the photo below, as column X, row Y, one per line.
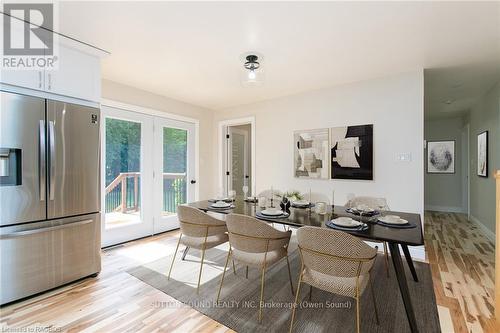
column 373, row 203
column 200, row 231
column 336, row 262
column 255, row 243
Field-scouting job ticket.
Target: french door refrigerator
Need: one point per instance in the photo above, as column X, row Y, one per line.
column 49, row 194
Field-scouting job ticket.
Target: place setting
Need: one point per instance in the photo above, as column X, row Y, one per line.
column 345, row 223
column 395, row 221
column 271, row 213
column 221, row 205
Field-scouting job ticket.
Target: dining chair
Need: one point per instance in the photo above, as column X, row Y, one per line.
column 336, row 262
column 317, row 197
column 373, row 203
column 199, row 231
column 255, row 243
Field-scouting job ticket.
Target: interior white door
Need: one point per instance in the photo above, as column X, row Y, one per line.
column 127, row 177
column 174, row 175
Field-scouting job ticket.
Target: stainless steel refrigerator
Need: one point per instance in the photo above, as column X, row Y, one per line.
column 49, row 194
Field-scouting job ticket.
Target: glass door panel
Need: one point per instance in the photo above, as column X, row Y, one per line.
column 126, row 175
column 174, row 175
column 122, row 172
column 174, row 169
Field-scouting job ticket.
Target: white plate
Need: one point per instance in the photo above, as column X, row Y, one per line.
column 220, row 204
column 346, row 222
column 272, row 212
column 387, row 220
column 364, row 209
column 300, row 203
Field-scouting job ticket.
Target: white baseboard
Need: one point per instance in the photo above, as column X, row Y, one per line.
column 448, row 209
column 487, row 232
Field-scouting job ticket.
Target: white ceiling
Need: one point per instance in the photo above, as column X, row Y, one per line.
column 453, row 91
column 191, row 51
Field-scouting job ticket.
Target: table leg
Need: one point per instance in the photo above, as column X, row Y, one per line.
column 185, row 252
column 403, row 286
column 410, row 262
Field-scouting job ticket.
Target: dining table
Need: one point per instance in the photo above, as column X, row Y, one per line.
column 396, row 238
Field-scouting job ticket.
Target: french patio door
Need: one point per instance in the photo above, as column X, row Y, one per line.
column 147, row 170
column 174, row 181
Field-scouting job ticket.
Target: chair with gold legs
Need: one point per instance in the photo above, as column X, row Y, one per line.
column 376, row 204
column 199, row 231
column 336, row 262
column 255, row 243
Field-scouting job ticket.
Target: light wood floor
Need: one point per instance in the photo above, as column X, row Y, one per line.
column 461, row 259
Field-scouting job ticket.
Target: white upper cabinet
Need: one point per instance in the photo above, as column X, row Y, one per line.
column 78, row 75
column 23, row 78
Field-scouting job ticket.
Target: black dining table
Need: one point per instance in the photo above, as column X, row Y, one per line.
column 395, row 237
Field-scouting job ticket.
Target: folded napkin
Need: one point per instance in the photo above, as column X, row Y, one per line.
column 397, row 226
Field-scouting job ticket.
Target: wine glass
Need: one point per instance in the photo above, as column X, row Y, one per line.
column 245, row 191
column 232, row 195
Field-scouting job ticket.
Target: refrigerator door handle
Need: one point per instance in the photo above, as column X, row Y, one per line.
column 41, row 159
column 52, row 165
column 40, row 230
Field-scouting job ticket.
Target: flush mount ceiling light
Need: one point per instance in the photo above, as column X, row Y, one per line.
column 252, row 65
column 252, row 74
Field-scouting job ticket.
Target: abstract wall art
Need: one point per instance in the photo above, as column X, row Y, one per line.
column 311, row 153
column 440, row 156
column 352, row 152
column 482, row 154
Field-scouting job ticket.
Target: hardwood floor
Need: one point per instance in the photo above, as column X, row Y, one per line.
column 461, row 259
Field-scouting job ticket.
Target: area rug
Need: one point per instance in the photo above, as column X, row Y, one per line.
column 238, row 305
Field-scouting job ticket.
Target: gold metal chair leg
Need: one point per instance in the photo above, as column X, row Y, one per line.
column 262, row 291
column 289, row 274
column 246, row 273
column 386, row 255
column 357, row 308
column 374, row 303
column 173, row 259
column 201, row 268
column 223, row 274
column 310, row 293
column 296, row 301
column 234, row 268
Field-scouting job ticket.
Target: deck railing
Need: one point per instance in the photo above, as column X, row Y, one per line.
column 123, row 195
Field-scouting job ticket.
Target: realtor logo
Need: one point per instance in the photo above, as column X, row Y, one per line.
column 28, row 37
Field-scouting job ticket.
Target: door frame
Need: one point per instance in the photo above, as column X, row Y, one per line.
column 221, row 132
column 151, row 113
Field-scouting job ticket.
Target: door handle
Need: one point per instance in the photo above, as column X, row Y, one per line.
column 52, row 165
column 40, row 230
column 41, row 159
column 193, row 181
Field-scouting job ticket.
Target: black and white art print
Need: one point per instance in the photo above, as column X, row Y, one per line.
column 440, row 156
column 352, row 152
column 482, row 154
column 311, row 153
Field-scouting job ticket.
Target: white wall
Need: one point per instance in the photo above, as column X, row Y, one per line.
column 130, row 95
column 394, row 105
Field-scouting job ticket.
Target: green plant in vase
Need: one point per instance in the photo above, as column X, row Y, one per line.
column 294, row 195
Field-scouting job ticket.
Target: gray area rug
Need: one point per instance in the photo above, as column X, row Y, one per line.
column 238, row 306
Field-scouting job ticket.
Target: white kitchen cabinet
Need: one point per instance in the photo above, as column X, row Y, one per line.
column 32, row 79
column 78, row 75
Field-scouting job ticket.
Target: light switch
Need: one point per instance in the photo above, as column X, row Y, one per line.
column 404, row 157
